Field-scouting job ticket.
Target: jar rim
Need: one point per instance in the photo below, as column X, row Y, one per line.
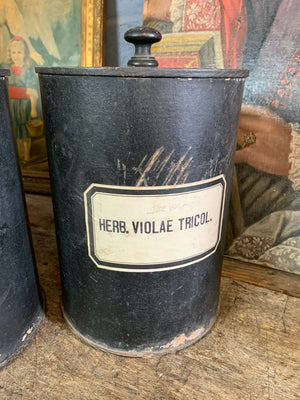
column 141, row 72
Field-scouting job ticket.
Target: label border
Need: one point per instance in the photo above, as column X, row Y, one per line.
column 149, row 191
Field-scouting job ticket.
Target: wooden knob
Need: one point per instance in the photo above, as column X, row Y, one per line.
column 142, row 37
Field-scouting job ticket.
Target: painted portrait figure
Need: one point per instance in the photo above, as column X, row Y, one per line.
column 264, row 37
column 34, row 33
column 23, row 93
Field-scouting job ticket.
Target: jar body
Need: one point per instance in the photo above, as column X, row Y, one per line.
column 140, row 171
column 21, row 310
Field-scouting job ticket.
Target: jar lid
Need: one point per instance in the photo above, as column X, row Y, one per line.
column 4, row 72
column 143, row 64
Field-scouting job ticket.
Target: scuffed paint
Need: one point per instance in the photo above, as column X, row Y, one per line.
column 27, row 333
column 182, row 339
column 178, row 343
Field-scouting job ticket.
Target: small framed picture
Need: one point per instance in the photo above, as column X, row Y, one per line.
column 48, row 33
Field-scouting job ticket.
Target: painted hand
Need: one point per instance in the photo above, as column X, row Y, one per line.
column 264, row 139
column 157, row 9
column 33, row 94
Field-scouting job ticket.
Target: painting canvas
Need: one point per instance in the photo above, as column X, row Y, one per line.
column 264, row 37
column 35, row 33
column 120, row 15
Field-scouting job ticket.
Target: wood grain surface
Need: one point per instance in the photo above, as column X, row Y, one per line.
column 251, row 353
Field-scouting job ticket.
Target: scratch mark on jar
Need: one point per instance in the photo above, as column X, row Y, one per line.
column 159, row 169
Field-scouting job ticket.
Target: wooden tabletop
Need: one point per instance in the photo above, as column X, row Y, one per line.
column 252, row 352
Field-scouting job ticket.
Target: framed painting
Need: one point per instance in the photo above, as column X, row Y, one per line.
column 262, row 36
column 49, row 33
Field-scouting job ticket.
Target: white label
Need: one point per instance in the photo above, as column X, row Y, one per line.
column 149, row 229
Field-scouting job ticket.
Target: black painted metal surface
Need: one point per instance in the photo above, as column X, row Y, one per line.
column 21, row 311
column 140, row 164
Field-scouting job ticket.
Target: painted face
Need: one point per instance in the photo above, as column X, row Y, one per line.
column 17, row 53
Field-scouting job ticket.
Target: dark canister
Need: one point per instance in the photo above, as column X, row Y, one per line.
column 21, row 311
column 141, row 160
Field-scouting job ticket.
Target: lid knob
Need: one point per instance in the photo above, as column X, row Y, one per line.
column 142, row 37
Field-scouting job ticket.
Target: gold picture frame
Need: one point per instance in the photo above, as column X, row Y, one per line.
column 92, row 55
column 92, row 33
